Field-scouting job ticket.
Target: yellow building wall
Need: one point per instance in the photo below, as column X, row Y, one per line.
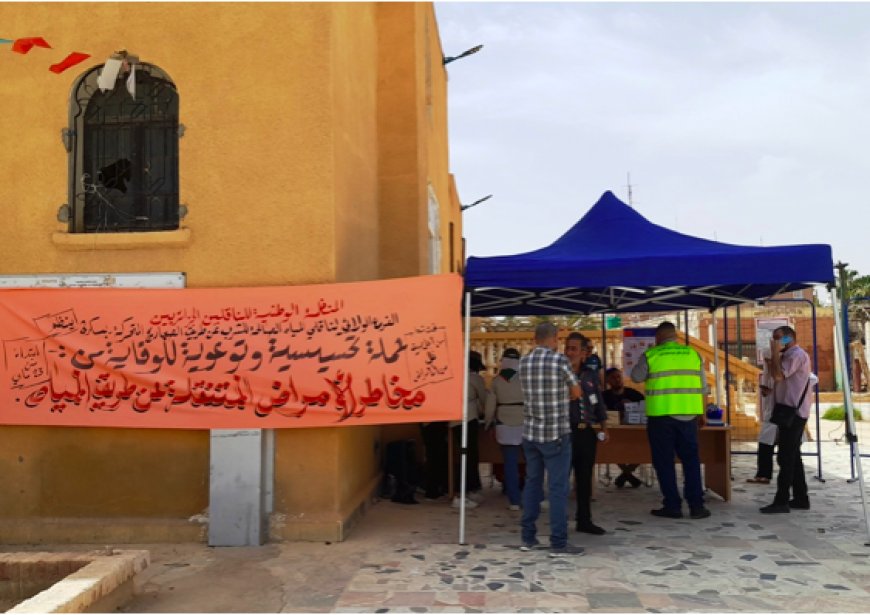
column 437, row 142
column 355, row 141
column 305, row 160
column 402, row 140
column 316, row 494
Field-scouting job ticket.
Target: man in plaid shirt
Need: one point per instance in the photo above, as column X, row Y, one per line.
column 548, row 384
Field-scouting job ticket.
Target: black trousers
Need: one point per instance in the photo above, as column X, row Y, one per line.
column 791, row 466
column 584, row 444
column 764, row 465
column 627, row 469
column 435, row 442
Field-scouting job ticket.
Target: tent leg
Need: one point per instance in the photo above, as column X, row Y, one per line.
column 850, row 416
column 686, row 325
column 727, row 366
column 715, row 344
column 464, row 447
column 819, row 476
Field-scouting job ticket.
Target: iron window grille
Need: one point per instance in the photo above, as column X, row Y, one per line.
column 123, row 164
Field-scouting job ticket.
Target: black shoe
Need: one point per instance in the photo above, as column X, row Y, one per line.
column 590, row 528
column 773, row 509
column 635, row 481
column 799, row 504
column 620, row 481
column 699, row 513
column 664, row 512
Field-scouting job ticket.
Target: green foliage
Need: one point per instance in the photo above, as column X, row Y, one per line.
column 857, row 285
column 838, row 413
column 574, row 322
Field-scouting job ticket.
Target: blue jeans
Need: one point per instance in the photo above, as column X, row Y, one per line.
column 555, row 458
column 511, row 455
column 669, row 436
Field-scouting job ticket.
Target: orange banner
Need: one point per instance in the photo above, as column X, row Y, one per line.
column 363, row 353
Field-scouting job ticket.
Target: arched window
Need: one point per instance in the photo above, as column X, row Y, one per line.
column 123, row 153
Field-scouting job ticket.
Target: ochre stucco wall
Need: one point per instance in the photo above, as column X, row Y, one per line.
column 402, row 140
column 255, row 161
column 355, row 141
column 413, row 99
column 305, row 160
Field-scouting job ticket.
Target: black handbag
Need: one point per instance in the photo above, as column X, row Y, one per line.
column 784, row 415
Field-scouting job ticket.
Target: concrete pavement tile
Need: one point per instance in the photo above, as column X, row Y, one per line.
column 498, row 602
column 748, row 602
column 823, row 604
column 650, row 600
column 410, row 599
column 697, row 601
column 472, row 599
column 361, row 598
column 613, row 600
column 573, row 602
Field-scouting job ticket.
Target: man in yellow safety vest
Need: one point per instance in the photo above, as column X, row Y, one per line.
column 675, row 387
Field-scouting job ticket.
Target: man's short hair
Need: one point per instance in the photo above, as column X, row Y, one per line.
column 786, row 330
column 612, row 370
column 666, row 330
column 545, row 331
column 510, row 353
column 575, row 335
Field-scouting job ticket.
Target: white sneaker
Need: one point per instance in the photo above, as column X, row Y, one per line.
column 457, row 503
column 545, row 505
column 514, row 507
column 475, row 496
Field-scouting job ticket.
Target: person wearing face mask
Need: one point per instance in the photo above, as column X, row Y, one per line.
column 768, row 433
column 588, row 427
column 790, row 367
column 476, row 399
column 504, row 409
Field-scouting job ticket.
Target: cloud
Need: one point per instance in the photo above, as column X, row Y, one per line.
column 739, row 121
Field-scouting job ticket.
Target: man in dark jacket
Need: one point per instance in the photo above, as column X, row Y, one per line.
column 615, row 396
column 587, row 413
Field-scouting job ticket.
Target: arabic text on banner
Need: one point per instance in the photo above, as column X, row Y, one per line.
column 361, row 353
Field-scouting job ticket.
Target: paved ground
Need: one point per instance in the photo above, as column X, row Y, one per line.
column 406, row 559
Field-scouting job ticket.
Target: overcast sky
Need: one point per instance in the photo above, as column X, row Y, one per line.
column 744, row 123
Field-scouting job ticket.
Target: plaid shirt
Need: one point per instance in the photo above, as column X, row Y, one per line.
column 546, row 377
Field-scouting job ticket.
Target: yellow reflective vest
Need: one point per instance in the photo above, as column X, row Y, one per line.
column 673, row 383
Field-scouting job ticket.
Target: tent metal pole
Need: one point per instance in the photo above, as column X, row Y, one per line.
column 818, row 415
column 604, row 341
column 464, row 449
column 715, row 340
column 686, row 325
column 727, row 367
column 850, row 416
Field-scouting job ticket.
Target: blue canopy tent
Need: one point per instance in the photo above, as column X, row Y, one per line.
column 615, row 260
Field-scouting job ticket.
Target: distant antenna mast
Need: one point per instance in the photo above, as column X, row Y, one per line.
column 628, row 185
